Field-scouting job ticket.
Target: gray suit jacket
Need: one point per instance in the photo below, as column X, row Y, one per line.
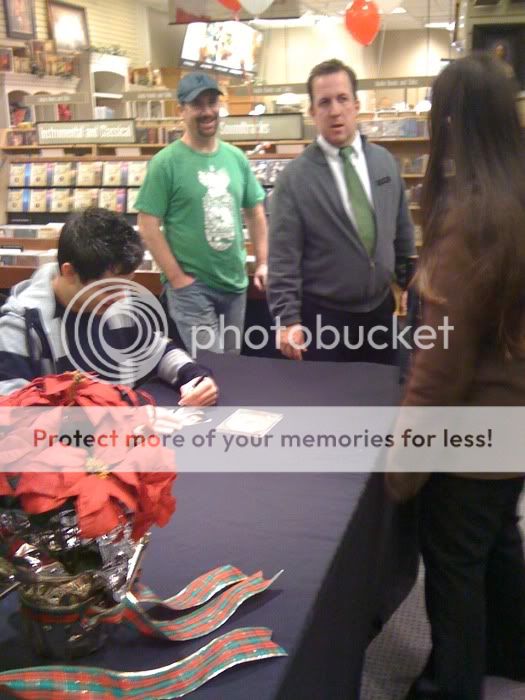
column 315, row 250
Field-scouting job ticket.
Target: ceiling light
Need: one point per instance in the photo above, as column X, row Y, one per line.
column 423, row 106
column 440, row 25
column 258, row 110
column 398, row 11
column 288, row 98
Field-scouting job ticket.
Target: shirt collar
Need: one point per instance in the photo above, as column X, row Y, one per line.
column 60, row 309
column 333, row 151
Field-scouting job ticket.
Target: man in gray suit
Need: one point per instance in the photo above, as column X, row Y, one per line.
column 339, row 231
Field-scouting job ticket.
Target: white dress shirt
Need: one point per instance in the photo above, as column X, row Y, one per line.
column 336, row 166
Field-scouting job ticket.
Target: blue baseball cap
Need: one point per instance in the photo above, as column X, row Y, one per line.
column 193, row 84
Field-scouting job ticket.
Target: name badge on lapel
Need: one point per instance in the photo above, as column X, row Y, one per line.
column 383, row 180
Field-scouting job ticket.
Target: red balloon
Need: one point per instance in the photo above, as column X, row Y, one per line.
column 232, row 5
column 362, row 21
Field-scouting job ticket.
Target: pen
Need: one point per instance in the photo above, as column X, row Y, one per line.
column 8, row 587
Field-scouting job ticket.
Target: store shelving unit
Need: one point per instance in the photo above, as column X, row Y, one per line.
column 410, row 152
column 104, row 78
column 15, row 86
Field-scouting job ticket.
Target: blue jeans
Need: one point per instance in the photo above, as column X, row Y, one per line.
column 206, row 318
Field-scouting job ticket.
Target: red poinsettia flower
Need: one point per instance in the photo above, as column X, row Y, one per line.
column 77, row 389
column 156, row 503
column 42, row 486
column 27, row 396
column 73, row 389
column 14, row 448
column 103, row 497
column 5, row 486
column 109, row 484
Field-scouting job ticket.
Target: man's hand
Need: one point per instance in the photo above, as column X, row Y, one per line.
column 201, row 391
column 290, row 341
column 181, row 281
column 260, row 276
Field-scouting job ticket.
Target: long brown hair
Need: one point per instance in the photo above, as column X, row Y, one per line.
column 474, row 191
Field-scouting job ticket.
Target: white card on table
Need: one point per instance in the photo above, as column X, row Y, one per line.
column 248, row 421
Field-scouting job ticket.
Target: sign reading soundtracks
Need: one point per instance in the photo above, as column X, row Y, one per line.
column 101, row 131
column 271, row 127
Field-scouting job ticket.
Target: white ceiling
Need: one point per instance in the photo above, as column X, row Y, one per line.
column 418, row 11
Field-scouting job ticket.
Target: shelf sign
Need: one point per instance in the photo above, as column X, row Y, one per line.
column 381, row 83
column 153, row 94
column 96, row 131
column 274, row 89
column 69, row 98
column 269, row 127
column 301, row 88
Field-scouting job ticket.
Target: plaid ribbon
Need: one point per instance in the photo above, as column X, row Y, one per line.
column 239, row 646
column 190, row 626
column 198, row 591
column 174, row 681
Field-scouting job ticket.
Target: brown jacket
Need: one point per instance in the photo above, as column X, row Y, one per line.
column 472, row 371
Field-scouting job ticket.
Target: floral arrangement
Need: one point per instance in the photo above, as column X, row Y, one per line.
column 102, row 497
column 70, row 511
column 73, row 527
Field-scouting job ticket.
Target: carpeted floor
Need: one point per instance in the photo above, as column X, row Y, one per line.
column 398, row 654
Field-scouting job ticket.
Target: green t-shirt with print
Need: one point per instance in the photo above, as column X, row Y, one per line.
column 199, row 197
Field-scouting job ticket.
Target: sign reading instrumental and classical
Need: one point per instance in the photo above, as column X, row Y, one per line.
column 97, row 131
column 271, row 127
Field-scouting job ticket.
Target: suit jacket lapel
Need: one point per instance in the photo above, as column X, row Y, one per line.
column 374, row 173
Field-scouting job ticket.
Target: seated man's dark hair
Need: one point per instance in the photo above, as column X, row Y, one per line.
column 96, row 241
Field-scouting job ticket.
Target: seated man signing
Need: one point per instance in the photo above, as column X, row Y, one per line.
column 85, row 313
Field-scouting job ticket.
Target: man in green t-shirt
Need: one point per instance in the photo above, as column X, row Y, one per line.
column 196, row 188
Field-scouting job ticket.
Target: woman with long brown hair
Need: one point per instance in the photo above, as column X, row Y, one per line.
column 472, row 269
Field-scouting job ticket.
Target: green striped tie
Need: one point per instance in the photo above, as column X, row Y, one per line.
column 363, row 214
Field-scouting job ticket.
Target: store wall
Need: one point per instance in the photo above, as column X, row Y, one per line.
column 407, row 53
column 415, row 52
column 289, row 54
column 116, row 22
column 165, row 39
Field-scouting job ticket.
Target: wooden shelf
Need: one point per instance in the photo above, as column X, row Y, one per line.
column 414, row 207
column 272, row 156
column 80, row 159
column 415, row 139
column 33, row 149
column 29, row 243
column 87, row 147
column 284, row 142
column 17, row 149
column 131, row 145
column 100, row 147
column 413, row 175
column 239, row 144
column 12, row 274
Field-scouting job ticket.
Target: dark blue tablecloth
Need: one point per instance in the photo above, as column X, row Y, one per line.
column 349, row 555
